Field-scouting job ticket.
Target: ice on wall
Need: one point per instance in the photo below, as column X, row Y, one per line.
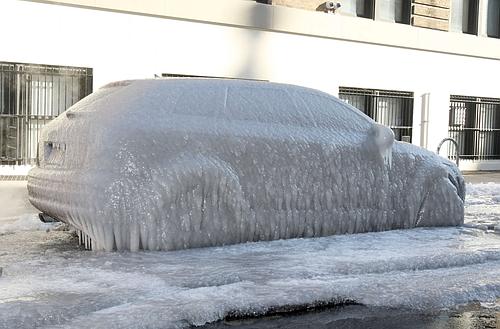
column 183, row 163
column 48, row 283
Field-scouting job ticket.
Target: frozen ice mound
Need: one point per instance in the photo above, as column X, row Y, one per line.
column 184, row 163
column 425, row 269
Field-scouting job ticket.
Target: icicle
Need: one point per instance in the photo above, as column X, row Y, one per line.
column 387, row 156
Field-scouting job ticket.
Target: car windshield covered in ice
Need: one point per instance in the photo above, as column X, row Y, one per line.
column 183, row 163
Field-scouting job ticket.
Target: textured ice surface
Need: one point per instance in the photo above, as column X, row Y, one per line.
column 27, row 222
column 483, row 206
column 47, row 282
column 173, row 164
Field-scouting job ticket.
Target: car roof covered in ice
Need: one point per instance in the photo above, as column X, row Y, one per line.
column 226, row 99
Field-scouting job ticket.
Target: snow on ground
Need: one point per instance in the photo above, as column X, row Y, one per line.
column 13, row 201
column 27, row 222
column 48, row 282
column 483, row 206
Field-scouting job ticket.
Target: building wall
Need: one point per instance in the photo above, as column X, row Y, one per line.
column 302, row 4
column 433, row 14
column 125, row 46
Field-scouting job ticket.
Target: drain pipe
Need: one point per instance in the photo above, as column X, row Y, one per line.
column 457, row 154
column 424, row 121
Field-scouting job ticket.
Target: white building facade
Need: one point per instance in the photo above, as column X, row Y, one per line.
column 445, row 77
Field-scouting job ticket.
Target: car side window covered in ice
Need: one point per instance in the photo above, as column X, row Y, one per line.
column 205, row 102
column 265, row 105
column 329, row 113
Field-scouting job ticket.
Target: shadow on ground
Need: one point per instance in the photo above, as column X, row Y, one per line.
column 358, row 316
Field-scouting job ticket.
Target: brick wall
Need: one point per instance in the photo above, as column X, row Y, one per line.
column 433, row 14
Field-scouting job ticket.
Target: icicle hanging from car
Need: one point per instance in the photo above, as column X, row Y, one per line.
column 384, row 139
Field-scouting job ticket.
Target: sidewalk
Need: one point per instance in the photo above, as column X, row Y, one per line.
column 476, row 177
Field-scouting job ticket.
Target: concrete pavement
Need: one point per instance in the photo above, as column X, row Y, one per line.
column 476, row 177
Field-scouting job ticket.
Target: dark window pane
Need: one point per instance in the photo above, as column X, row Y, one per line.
column 472, row 10
column 403, row 11
column 365, row 8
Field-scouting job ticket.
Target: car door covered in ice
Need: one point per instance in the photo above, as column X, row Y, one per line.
column 304, row 163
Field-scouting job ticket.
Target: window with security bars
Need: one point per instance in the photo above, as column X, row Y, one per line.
column 31, row 95
column 474, row 122
column 388, row 107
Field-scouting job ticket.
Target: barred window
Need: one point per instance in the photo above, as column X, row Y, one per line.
column 31, row 95
column 388, row 107
column 475, row 124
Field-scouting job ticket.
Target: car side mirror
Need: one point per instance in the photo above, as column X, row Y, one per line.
column 382, row 138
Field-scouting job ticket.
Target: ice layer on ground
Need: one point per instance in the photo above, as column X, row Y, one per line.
column 48, row 283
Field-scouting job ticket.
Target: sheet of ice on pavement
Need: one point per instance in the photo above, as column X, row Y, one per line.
column 27, row 222
column 47, row 282
column 483, row 206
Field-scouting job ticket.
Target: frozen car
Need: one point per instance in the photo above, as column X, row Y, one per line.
column 183, row 163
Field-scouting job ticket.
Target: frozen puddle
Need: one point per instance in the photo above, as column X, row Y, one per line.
column 48, row 282
column 483, row 206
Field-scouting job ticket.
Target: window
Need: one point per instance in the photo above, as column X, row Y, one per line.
column 474, row 122
column 403, row 11
column 493, row 19
column 265, row 105
column 204, row 102
column 327, row 112
column 464, row 16
column 470, row 16
column 388, row 107
column 30, row 96
column 365, row 8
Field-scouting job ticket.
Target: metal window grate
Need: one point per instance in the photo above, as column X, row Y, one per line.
column 31, row 95
column 474, row 122
column 389, row 107
column 13, row 177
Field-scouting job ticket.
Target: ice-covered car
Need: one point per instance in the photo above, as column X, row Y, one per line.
column 182, row 163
